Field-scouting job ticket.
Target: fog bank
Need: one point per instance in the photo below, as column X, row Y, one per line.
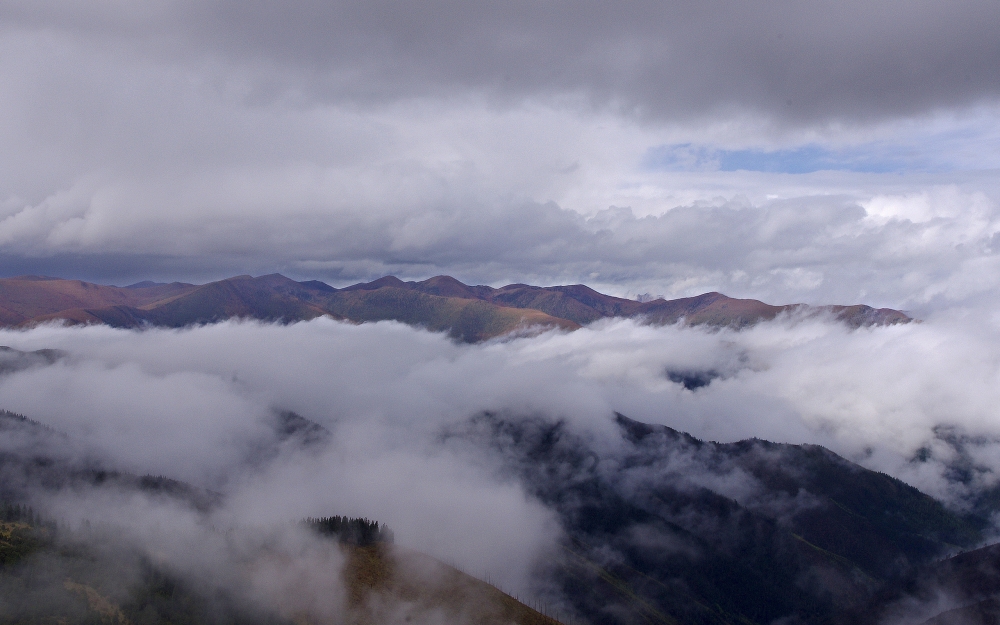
column 915, row 401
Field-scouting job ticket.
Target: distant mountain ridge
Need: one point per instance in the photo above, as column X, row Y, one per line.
column 442, row 303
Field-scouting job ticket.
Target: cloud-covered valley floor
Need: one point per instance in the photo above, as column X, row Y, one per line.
column 914, row 401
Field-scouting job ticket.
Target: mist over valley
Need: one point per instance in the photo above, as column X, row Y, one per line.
column 534, row 462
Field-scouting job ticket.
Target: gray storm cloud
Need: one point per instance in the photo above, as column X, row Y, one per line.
column 346, row 141
column 791, row 61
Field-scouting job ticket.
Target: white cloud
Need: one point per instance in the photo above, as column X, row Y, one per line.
column 160, row 146
column 185, row 403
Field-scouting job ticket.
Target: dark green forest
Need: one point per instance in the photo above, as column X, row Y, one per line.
column 360, row 532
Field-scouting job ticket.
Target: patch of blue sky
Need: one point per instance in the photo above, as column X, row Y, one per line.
column 805, row 160
column 800, row 160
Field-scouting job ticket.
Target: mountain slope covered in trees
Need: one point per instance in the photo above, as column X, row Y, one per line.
column 668, row 528
column 657, row 526
column 674, row 529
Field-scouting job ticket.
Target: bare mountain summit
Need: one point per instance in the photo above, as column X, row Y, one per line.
column 441, row 303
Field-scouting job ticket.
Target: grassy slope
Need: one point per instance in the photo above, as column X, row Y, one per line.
column 552, row 302
column 582, row 305
column 236, row 297
column 712, row 309
column 382, row 583
column 469, row 313
column 241, row 297
column 465, row 319
column 387, row 584
column 28, row 297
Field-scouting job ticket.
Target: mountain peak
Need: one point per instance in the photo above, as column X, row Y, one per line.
column 446, row 286
column 145, row 284
column 387, row 281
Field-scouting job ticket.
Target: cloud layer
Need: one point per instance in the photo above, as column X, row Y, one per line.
column 822, row 61
column 344, row 141
column 913, row 401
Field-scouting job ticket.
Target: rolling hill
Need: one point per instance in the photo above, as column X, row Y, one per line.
column 442, row 303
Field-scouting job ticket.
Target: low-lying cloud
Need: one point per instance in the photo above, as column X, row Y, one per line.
column 915, row 401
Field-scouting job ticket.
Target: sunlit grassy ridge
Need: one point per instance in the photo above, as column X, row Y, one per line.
column 441, row 304
column 465, row 319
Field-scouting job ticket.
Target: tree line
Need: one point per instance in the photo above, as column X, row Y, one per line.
column 352, row 531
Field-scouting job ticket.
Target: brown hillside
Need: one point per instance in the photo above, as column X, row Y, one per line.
column 558, row 302
column 441, row 303
column 26, row 297
column 860, row 315
column 383, row 583
column 465, row 319
column 582, row 305
column 386, row 584
column 578, row 303
column 81, row 316
column 268, row 298
column 446, row 286
column 711, row 308
column 243, row 297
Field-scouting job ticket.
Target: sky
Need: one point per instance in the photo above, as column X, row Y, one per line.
column 824, row 153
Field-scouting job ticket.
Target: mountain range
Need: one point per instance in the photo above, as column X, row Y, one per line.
column 674, row 529
column 667, row 529
column 441, row 303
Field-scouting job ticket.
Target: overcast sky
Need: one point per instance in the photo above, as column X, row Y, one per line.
column 817, row 152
